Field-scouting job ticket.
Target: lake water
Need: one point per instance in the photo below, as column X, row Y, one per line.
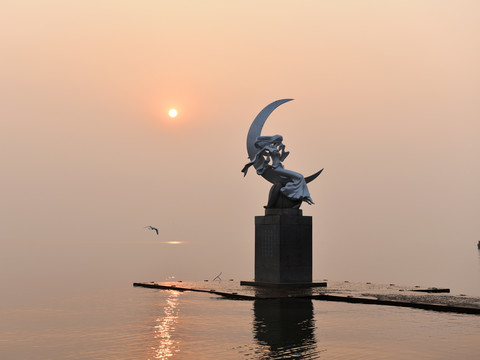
column 125, row 322
column 79, row 303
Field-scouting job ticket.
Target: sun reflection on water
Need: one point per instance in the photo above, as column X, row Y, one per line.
column 165, row 327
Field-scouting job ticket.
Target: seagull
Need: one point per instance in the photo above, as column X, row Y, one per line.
column 217, row 277
column 152, row 228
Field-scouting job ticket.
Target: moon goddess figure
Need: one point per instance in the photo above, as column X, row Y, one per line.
column 268, row 158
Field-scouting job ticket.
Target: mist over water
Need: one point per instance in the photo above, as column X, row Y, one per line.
column 32, row 274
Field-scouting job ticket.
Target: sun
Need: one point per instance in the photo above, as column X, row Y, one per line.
column 172, row 113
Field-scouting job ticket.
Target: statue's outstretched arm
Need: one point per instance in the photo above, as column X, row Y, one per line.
column 284, row 153
column 254, row 160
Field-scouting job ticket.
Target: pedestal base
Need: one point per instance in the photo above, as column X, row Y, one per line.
column 283, row 285
column 283, row 249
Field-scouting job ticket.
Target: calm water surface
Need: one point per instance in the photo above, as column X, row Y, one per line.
column 137, row 323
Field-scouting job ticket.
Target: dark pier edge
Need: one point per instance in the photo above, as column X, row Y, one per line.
column 324, row 297
column 284, row 285
column 415, row 305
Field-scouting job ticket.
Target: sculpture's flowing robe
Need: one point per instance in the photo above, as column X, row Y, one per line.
column 296, row 188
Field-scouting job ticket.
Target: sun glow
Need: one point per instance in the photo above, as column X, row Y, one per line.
column 173, row 113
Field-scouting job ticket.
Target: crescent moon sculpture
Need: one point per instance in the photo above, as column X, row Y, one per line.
column 262, row 149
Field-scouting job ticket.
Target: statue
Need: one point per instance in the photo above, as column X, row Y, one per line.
column 266, row 154
column 292, row 184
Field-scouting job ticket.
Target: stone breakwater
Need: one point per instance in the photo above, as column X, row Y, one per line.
column 436, row 299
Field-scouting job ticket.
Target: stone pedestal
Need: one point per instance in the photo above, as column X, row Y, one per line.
column 283, row 249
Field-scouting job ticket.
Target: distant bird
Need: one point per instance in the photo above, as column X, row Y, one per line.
column 217, row 277
column 152, row 228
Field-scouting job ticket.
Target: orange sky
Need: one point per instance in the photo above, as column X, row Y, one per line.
column 386, row 100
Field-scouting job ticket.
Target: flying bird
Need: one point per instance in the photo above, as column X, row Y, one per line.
column 217, row 277
column 152, row 228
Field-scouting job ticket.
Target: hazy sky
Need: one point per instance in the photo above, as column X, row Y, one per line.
column 386, row 100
